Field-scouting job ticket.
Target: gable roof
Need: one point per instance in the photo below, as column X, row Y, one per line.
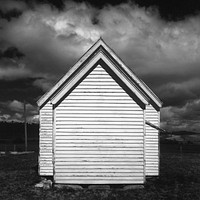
column 100, row 51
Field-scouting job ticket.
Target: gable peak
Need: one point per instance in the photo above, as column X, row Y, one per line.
column 100, row 50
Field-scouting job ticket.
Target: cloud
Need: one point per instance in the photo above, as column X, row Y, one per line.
column 165, row 55
column 33, row 119
column 16, row 105
column 4, row 117
column 11, row 9
column 19, row 106
column 12, row 52
column 20, row 89
column 179, row 92
column 18, row 116
column 185, row 117
column 44, row 84
column 14, row 111
column 7, row 5
column 13, row 73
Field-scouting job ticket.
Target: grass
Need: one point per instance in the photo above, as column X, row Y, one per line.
column 179, row 179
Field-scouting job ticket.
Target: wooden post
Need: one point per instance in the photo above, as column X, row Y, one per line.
column 25, row 127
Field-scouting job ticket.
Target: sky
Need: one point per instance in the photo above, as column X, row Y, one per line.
column 158, row 40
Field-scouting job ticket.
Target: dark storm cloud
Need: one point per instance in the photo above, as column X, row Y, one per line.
column 177, row 94
column 10, row 14
column 20, row 90
column 12, row 9
column 52, row 37
column 182, row 118
column 11, row 52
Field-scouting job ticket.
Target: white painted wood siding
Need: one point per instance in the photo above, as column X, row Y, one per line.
column 46, row 128
column 99, row 134
column 152, row 142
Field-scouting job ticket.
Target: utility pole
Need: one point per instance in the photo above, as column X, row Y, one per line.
column 25, row 126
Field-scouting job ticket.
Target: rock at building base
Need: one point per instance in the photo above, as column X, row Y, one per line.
column 45, row 184
column 68, row 187
column 133, row 187
column 39, row 185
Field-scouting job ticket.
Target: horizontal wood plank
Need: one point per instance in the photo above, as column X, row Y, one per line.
column 120, row 156
column 68, row 153
column 99, row 181
column 113, row 162
column 68, row 136
column 116, row 131
column 100, row 174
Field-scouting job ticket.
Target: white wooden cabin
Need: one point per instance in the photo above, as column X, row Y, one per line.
column 93, row 126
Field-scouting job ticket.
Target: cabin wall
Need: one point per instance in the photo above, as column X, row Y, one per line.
column 152, row 142
column 99, row 134
column 45, row 145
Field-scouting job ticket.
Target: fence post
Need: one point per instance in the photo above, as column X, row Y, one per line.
column 25, row 126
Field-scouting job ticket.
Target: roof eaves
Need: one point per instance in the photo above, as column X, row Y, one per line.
column 62, row 80
column 83, row 70
column 132, row 75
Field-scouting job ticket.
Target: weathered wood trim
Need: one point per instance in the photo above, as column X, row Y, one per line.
column 159, row 144
column 144, row 148
column 91, row 180
column 53, row 141
column 157, row 127
column 152, row 149
column 39, row 144
column 45, row 141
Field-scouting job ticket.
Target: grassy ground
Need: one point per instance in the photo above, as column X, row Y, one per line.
column 179, row 179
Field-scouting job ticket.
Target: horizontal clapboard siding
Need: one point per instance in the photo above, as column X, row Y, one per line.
column 152, row 142
column 46, row 127
column 99, row 134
